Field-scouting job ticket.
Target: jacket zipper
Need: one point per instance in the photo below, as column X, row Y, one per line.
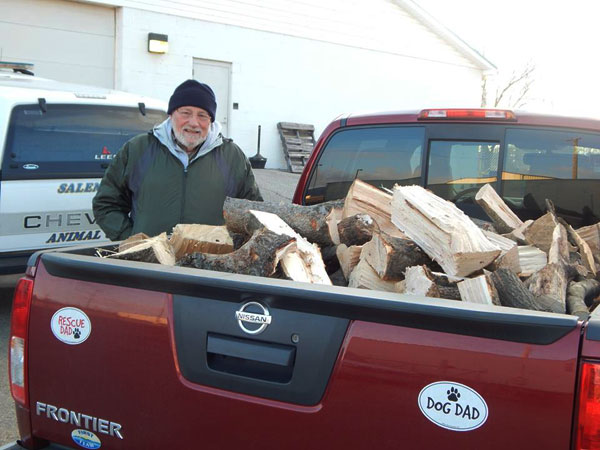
column 183, row 189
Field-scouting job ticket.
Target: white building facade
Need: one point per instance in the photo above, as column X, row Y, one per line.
column 268, row 61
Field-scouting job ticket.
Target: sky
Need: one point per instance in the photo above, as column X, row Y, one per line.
column 561, row 38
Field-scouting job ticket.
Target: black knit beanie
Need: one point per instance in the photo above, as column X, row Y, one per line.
column 194, row 93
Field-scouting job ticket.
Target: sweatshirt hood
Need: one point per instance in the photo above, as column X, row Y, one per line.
column 163, row 132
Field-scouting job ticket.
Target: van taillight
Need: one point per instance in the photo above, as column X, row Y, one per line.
column 19, row 325
column 588, row 420
column 468, row 114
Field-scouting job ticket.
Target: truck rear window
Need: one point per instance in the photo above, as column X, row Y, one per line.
column 69, row 141
column 381, row 156
column 563, row 166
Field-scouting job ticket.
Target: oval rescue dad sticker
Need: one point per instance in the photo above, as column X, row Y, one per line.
column 85, row 439
column 71, row 325
column 453, row 406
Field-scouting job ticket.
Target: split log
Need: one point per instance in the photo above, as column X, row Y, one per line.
column 518, row 234
column 504, row 219
column 153, row 250
column 390, row 256
column 553, row 279
column 311, row 222
column 363, row 198
column 539, row 233
column 356, row 230
column 513, row 293
column 531, row 259
column 580, row 296
column 192, row 238
column 259, row 256
column 305, row 264
column 509, row 256
column 480, row 290
column 584, row 249
column 591, row 235
column 333, row 218
column 363, row 276
column 132, row 241
column 442, row 230
column 419, row 280
column 348, row 257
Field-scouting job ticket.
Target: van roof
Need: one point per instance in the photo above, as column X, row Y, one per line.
column 20, row 89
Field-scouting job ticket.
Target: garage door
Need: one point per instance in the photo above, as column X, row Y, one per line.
column 67, row 41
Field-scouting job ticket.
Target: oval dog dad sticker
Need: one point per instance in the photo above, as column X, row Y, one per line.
column 71, row 325
column 453, row 406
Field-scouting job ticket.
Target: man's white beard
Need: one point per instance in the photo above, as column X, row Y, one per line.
column 190, row 143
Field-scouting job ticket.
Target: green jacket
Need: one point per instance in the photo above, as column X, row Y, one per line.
column 147, row 189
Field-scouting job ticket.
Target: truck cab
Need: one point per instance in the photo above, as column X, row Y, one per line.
column 453, row 152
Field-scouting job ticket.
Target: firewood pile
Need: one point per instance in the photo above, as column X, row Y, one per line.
column 407, row 241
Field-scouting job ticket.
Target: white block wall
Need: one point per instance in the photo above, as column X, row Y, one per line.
column 277, row 77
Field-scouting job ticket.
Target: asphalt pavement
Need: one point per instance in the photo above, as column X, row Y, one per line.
column 275, row 186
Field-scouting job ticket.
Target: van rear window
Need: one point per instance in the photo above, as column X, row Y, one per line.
column 71, row 141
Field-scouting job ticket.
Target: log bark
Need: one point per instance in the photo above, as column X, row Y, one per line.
column 153, row 250
column 513, row 293
column 580, row 296
column 311, row 222
column 303, row 264
column 192, row 238
column 259, row 256
column 356, row 230
column 390, row 256
column 442, row 230
column 363, row 198
column 364, row 277
column 420, row 280
column 504, row 219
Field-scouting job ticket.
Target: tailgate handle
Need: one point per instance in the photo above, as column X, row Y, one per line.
column 254, row 359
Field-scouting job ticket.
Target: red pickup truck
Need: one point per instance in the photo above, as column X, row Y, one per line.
column 125, row 355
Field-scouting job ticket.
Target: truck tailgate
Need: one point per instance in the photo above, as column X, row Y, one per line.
column 167, row 365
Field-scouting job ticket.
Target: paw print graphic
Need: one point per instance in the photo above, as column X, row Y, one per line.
column 453, row 394
column 76, row 333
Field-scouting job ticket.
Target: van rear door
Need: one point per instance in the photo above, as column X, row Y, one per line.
column 52, row 164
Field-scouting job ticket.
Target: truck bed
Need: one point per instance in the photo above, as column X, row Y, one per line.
column 167, row 365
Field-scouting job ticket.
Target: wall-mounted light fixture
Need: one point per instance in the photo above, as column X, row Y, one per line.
column 158, row 43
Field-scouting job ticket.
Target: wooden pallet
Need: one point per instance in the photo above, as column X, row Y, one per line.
column 298, row 142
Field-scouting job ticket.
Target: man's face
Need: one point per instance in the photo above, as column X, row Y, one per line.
column 190, row 125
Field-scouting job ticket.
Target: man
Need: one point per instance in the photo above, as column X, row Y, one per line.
column 180, row 172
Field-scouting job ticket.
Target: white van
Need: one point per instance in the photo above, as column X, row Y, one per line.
column 56, row 140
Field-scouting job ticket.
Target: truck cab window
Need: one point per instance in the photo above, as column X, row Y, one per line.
column 560, row 165
column 380, row 156
column 458, row 169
